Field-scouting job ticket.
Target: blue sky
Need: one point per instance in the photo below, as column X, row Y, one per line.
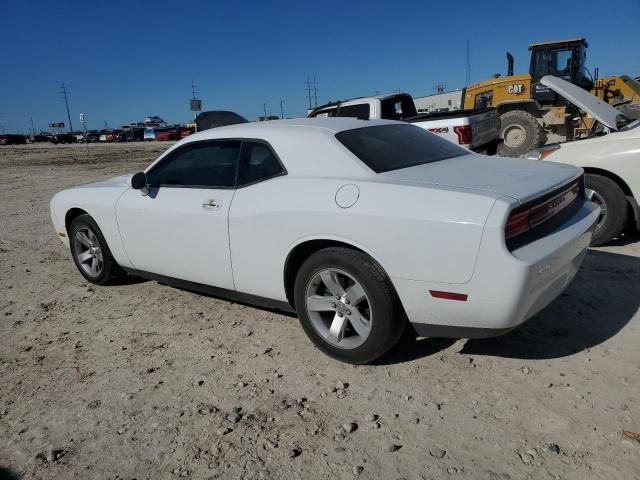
column 123, row 60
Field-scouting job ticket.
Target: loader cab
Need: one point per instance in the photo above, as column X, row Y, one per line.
column 565, row 59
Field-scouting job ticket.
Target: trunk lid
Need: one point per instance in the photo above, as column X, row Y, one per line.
column 520, row 179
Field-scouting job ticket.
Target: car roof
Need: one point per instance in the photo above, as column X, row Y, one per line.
column 307, row 146
column 349, row 101
column 331, row 125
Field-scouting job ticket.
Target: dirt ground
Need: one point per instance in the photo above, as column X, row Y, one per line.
column 147, row 381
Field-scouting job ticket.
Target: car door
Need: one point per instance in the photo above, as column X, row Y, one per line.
column 178, row 227
column 257, row 220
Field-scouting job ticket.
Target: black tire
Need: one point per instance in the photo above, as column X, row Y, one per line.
column 607, row 193
column 492, row 148
column 387, row 318
column 519, row 121
column 110, row 272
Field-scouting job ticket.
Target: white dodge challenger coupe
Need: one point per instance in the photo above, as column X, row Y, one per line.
column 358, row 226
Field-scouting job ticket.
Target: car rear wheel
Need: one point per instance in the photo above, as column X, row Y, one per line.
column 613, row 208
column 91, row 253
column 347, row 305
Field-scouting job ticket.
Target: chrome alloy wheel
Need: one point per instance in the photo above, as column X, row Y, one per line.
column 88, row 252
column 596, row 198
column 339, row 308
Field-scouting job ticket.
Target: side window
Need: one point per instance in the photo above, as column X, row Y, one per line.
column 204, row 164
column 561, row 63
column 540, row 67
column 483, row 100
column 258, row 163
column 358, row 111
column 330, row 112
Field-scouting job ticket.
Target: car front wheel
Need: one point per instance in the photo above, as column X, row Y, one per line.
column 91, row 253
column 347, row 305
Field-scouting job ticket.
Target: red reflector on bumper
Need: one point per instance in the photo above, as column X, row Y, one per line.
column 448, row 295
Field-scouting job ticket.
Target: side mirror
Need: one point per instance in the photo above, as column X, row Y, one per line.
column 139, row 181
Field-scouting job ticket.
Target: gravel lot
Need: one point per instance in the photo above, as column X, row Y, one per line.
column 148, row 381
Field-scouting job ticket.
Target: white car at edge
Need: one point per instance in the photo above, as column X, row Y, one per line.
column 610, row 159
column 358, row 226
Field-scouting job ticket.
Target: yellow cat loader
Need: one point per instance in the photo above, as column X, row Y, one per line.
column 532, row 114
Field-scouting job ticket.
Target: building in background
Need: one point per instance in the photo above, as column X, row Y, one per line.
column 442, row 102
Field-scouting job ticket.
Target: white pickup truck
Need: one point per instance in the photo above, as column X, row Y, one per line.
column 478, row 130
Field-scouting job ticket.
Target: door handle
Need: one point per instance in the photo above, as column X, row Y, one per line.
column 212, row 204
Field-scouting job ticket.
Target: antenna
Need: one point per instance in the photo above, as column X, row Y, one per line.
column 193, row 89
column 66, row 102
column 468, row 79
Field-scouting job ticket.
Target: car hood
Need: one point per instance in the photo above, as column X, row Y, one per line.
column 517, row 178
column 121, row 181
column 598, row 109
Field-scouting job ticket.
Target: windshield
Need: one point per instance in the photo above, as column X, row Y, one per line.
column 391, row 147
column 629, row 126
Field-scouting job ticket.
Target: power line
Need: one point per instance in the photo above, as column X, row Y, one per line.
column 66, row 102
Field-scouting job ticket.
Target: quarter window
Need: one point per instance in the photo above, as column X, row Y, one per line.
column 258, row 162
column 204, row 164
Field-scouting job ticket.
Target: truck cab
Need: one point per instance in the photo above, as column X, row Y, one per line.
column 477, row 130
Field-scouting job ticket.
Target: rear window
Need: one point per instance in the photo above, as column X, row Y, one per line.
column 391, row 147
column 360, row 111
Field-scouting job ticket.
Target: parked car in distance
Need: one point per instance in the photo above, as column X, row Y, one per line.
column 92, row 136
column 355, row 225
column 149, row 134
column 106, row 136
column 185, row 132
column 477, row 130
column 63, row 138
column 12, row 139
column 610, row 158
column 41, row 137
column 167, row 134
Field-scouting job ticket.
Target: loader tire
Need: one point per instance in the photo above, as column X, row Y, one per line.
column 520, row 132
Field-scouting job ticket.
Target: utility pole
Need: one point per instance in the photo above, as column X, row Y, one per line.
column 315, row 92
column 33, row 129
column 309, row 92
column 264, row 106
column 281, row 110
column 66, row 102
column 468, row 79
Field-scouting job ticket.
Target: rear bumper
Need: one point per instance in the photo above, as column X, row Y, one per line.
column 506, row 288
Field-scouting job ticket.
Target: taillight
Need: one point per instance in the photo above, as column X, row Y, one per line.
column 464, row 134
column 521, row 221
